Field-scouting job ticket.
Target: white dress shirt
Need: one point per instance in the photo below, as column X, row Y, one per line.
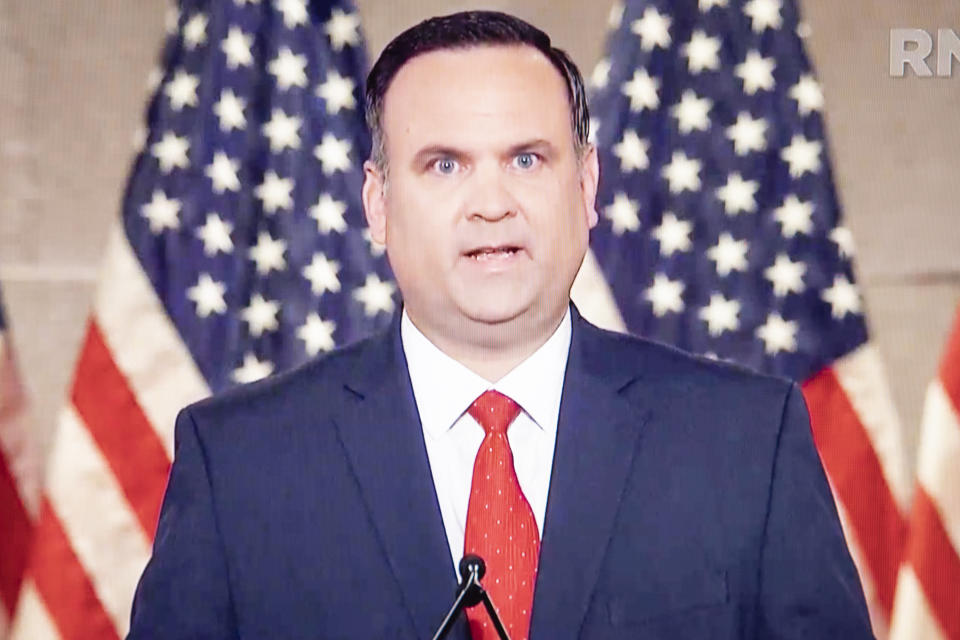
column 444, row 389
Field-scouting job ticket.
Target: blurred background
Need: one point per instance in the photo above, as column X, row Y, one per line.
column 75, row 78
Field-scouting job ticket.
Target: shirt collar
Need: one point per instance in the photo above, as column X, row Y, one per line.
column 444, row 388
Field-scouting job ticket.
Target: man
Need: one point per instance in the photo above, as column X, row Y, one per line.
column 616, row 488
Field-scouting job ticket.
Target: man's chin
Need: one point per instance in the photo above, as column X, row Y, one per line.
column 495, row 315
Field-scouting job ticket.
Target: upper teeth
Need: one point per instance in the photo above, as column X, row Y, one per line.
column 488, row 251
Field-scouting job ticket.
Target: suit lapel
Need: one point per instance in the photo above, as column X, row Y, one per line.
column 379, row 427
column 597, row 436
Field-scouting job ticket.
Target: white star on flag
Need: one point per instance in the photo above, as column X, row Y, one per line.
column 665, row 295
column 738, row 194
column 673, row 234
column 252, row 369
column 283, row 131
column 343, row 29
column 808, row 94
column 317, row 334
column 162, row 212
column 692, row 112
column 322, row 274
column 802, row 155
column 275, row 192
column 171, row 151
column 778, row 334
column 756, row 72
column 294, row 12
column 289, row 69
column 721, row 314
column 236, row 46
column 208, row 296
column 261, row 315
column 748, row 134
column 729, row 254
column 785, row 275
column 333, row 154
column 763, row 14
column 842, row 296
column 795, row 216
column 653, row 28
column 642, row 91
column 215, row 234
column 222, row 172
column 706, row 5
column 268, row 253
column 329, row 214
column 376, row 295
column 702, row 52
column 182, row 90
column 632, row 151
column 337, row 92
column 601, row 74
column 682, row 173
column 623, row 213
column 195, row 31
column 842, row 237
column 229, row 110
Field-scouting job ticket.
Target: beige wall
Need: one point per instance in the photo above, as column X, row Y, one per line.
column 73, row 84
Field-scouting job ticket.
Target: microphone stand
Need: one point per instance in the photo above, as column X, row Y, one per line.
column 470, row 594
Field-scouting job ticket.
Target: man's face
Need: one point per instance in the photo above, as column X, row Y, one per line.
column 486, row 213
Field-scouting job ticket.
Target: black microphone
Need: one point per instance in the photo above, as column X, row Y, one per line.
column 471, row 564
column 469, row 594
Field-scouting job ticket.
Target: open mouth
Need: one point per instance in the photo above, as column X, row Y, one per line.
column 490, row 253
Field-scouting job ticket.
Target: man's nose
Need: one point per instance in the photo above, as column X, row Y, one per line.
column 490, row 197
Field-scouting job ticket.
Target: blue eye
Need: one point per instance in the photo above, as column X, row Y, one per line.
column 445, row 166
column 526, row 160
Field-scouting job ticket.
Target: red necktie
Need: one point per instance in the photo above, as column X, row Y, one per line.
column 500, row 528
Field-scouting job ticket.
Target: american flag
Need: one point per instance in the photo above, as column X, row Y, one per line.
column 241, row 252
column 721, row 233
column 928, row 590
column 19, row 479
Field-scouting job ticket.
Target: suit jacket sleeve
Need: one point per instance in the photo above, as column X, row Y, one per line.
column 184, row 590
column 809, row 587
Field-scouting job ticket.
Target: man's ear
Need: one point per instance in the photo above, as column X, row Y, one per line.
column 589, row 180
column 374, row 202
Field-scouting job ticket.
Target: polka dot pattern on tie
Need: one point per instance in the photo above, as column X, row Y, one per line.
column 501, row 527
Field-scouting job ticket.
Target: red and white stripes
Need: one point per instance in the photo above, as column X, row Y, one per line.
column 109, row 463
column 928, row 590
column 857, row 433
column 20, row 471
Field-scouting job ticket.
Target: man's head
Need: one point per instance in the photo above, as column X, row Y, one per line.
column 481, row 126
column 461, row 31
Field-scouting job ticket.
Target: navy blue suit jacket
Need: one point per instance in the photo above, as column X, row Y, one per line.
column 686, row 501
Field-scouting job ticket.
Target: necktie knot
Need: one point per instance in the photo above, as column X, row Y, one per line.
column 494, row 411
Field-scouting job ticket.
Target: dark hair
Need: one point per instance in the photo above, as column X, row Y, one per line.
column 460, row 31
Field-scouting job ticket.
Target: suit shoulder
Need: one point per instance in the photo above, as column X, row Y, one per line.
column 668, row 364
column 318, row 376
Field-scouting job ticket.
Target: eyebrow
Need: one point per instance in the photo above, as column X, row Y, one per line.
column 537, row 144
column 435, row 150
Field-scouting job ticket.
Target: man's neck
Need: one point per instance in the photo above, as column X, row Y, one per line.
column 492, row 351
